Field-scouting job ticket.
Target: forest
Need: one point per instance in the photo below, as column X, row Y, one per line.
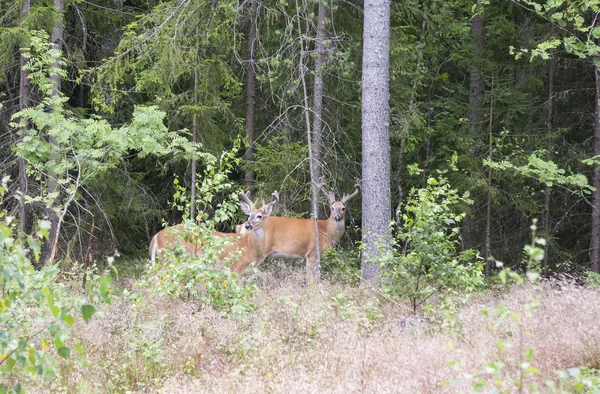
column 307, row 196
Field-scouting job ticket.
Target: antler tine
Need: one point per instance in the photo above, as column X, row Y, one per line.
column 275, row 195
column 329, row 195
column 347, row 198
column 244, row 197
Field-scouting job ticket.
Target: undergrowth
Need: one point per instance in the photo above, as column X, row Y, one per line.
column 334, row 337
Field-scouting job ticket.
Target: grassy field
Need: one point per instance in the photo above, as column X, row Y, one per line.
column 336, row 338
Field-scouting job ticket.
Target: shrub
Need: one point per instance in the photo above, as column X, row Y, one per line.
column 36, row 309
column 427, row 260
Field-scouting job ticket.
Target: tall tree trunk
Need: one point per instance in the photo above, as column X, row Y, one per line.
column 474, row 130
column 250, row 95
column 313, row 273
column 56, row 40
column 376, row 193
column 318, row 98
column 194, row 140
column 595, row 246
column 487, row 250
column 549, row 148
column 476, row 84
column 24, row 102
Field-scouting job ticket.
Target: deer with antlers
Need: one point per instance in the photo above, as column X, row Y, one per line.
column 295, row 238
column 251, row 244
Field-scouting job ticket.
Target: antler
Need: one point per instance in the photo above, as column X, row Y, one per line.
column 329, row 195
column 275, row 195
column 347, row 198
column 245, row 198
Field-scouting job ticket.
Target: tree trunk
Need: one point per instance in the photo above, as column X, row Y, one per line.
column 318, row 97
column 376, row 193
column 56, row 40
column 487, row 250
column 250, row 96
column 313, row 273
column 595, row 254
column 549, row 148
column 476, row 84
column 194, row 140
column 24, row 102
column 474, row 129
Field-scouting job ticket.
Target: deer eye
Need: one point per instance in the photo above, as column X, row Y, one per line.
column 343, row 209
column 259, row 216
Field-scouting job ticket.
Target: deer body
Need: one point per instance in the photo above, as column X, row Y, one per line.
column 295, row 238
column 250, row 244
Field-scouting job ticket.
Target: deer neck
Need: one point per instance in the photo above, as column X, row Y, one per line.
column 258, row 239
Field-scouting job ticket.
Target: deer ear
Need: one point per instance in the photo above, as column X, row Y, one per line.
column 267, row 209
column 245, row 208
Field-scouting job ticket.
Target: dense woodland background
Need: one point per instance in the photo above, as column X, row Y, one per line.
column 234, row 74
column 120, row 117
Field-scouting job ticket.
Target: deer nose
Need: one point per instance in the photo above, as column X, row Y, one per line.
column 248, row 226
column 338, row 217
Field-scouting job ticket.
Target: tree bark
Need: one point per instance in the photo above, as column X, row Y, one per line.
column 487, row 250
column 595, row 244
column 376, row 195
column 313, row 275
column 474, row 129
column 549, row 148
column 57, row 41
column 24, row 102
column 476, row 83
column 318, row 97
column 250, row 96
column 194, row 140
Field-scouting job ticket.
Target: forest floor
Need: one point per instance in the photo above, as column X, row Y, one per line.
column 336, row 338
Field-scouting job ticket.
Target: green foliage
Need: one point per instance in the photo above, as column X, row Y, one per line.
column 36, row 308
column 206, row 277
column 175, row 57
column 341, row 265
column 575, row 380
column 593, row 278
column 64, row 149
column 577, row 32
column 544, row 171
column 427, row 259
column 282, row 162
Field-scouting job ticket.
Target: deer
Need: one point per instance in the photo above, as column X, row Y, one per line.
column 251, row 243
column 295, row 238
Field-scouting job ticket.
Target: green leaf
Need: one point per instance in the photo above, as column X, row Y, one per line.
column 87, row 311
column 64, row 352
column 55, row 310
column 69, row 321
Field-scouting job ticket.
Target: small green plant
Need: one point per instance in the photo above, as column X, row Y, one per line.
column 427, row 259
column 342, row 266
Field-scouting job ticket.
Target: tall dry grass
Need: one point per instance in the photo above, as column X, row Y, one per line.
column 330, row 339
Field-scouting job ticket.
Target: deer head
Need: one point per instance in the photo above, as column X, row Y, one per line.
column 338, row 208
column 256, row 216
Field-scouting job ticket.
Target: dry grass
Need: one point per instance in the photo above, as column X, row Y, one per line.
column 329, row 339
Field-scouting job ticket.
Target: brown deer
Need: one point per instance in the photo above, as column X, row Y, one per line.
column 251, row 244
column 295, row 238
